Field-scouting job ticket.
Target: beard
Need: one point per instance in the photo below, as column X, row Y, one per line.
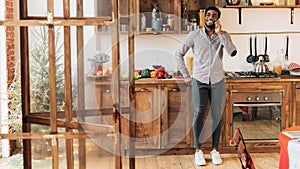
column 212, row 26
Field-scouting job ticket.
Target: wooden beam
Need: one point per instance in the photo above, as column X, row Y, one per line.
column 116, row 83
column 25, row 87
column 52, row 71
column 132, row 115
column 80, row 82
column 52, row 84
column 60, row 22
column 68, row 85
column 37, row 136
column 23, row 9
column 71, row 125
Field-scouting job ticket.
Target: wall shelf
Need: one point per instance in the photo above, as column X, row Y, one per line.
column 262, row 33
column 263, row 6
column 292, row 7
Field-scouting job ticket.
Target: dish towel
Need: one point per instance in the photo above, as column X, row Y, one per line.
column 294, row 153
column 294, row 67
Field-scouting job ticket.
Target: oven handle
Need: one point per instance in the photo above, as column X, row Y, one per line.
column 257, row 104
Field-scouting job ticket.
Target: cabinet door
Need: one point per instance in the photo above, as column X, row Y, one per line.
column 169, row 16
column 176, row 116
column 104, row 99
column 147, row 117
column 104, row 8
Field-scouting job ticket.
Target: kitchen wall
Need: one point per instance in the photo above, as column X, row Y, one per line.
column 161, row 48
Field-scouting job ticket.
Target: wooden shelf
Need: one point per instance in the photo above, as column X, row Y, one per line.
column 292, row 7
column 263, row 6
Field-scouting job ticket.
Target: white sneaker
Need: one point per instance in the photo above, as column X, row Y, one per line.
column 199, row 158
column 215, row 157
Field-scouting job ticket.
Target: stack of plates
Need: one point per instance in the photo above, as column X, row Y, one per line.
column 294, row 73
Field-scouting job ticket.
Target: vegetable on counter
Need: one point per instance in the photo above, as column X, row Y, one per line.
column 145, row 73
column 153, row 74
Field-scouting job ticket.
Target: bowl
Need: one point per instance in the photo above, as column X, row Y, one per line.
column 156, row 66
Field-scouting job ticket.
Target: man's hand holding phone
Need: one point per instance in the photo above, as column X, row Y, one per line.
column 218, row 28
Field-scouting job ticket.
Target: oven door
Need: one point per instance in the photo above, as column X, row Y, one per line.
column 258, row 119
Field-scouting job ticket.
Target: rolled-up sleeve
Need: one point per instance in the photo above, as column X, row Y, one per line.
column 228, row 44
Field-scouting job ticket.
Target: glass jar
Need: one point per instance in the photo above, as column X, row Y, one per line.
column 278, row 62
column 189, row 64
column 201, row 14
column 170, row 21
column 156, row 20
column 277, row 68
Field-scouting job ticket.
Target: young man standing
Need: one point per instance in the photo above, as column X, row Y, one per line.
column 208, row 81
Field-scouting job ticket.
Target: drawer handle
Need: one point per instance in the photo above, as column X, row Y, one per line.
column 143, row 89
column 107, row 91
column 175, row 90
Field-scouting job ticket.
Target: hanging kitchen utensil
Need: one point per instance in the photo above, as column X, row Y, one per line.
column 255, row 49
column 265, row 55
column 287, row 49
column 250, row 58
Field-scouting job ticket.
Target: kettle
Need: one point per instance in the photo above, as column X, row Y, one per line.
column 260, row 66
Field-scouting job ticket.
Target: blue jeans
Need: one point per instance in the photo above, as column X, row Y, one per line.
column 201, row 93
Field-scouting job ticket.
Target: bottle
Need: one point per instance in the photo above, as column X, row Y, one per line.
column 185, row 16
column 194, row 22
column 156, row 19
column 170, row 21
column 201, row 14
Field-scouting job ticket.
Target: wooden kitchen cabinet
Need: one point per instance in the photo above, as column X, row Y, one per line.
column 104, row 8
column 163, row 113
column 267, row 137
column 166, row 9
column 176, row 9
column 296, row 103
column 147, row 117
column 173, row 8
column 103, row 95
column 176, row 116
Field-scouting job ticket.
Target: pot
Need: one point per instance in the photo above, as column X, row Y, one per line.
column 233, row 2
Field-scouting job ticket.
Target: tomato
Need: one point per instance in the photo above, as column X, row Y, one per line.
column 166, row 75
column 160, row 75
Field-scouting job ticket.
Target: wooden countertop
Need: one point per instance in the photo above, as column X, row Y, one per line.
column 153, row 81
column 141, row 81
column 282, row 78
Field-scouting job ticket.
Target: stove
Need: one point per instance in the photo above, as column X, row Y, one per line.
column 250, row 74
